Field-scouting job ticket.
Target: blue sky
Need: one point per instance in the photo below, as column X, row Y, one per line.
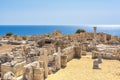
column 60, row 12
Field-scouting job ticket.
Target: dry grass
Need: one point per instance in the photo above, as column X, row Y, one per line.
column 82, row 70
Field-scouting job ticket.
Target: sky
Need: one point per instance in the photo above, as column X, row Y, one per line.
column 60, row 12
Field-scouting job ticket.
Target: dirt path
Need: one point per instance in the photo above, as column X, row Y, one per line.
column 82, row 70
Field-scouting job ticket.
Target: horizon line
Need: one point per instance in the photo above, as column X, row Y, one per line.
column 84, row 25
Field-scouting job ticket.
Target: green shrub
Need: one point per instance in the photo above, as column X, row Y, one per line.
column 80, row 30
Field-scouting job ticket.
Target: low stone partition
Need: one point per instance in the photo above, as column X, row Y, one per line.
column 107, row 56
column 9, row 76
column 17, row 68
column 42, row 65
column 94, row 54
column 83, row 53
column 110, row 56
column 33, row 71
column 72, row 52
column 69, row 52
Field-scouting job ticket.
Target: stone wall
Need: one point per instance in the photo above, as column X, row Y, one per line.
column 72, row 52
column 111, row 56
column 17, row 68
column 69, row 52
column 38, row 74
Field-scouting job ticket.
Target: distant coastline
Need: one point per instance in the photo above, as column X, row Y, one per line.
column 47, row 29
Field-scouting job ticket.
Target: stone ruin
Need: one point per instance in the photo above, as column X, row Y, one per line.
column 32, row 63
column 105, row 55
column 46, row 54
column 95, row 64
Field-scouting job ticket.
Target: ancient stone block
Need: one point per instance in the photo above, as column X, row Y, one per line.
column 50, row 70
column 95, row 64
column 63, row 61
column 45, row 63
column 38, row 74
column 77, row 52
column 28, row 73
column 99, row 58
column 17, row 68
column 83, row 53
column 9, row 76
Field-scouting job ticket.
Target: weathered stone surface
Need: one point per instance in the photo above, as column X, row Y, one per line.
column 38, row 74
column 83, row 53
column 46, row 63
column 95, row 64
column 69, row 52
column 28, row 73
column 99, row 58
column 63, row 61
column 9, row 76
column 77, row 52
column 17, row 68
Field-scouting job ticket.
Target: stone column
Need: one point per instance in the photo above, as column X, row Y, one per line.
column 45, row 62
column 59, row 58
column 95, row 35
column 105, row 38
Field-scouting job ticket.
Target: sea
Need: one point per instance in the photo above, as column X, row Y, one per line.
column 24, row 30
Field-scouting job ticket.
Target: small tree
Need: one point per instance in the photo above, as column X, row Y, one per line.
column 9, row 34
column 80, row 30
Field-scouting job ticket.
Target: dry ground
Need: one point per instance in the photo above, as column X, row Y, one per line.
column 82, row 70
column 6, row 48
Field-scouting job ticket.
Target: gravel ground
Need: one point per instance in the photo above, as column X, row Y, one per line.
column 81, row 69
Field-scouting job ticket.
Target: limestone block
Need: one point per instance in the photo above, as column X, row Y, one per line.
column 114, row 57
column 83, row 53
column 28, row 73
column 99, row 58
column 94, row 55
column 38, row 74
column 77, row 52
column 50, row 70
column 63, row 61
column 95, row 64
column 41, row 64
column 46, row 69
column 108, row 56
column 17, row 69
column 45, row 63
column 41, row 58
column 9, row 76
column 58, row 62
